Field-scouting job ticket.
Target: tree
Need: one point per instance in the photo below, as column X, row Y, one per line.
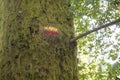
column 101, row 47
column 35, row 40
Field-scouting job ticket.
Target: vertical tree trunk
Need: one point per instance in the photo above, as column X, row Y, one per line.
column 35, row 40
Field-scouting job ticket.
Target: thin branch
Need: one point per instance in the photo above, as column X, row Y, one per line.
column 95, row 29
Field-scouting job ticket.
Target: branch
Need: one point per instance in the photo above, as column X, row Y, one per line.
column 95, row 29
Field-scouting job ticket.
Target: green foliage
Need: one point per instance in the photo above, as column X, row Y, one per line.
column 115, row 70
column 101, row 47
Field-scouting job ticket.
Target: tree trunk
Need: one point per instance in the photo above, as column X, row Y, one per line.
column 35, row 40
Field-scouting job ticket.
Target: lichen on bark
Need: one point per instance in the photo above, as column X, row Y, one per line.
column 26, row 55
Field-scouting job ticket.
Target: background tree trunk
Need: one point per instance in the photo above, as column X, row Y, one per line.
column 27, row 52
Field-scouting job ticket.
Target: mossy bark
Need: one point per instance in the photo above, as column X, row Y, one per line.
column 26, row 52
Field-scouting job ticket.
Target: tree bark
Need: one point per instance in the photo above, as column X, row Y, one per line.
column 27, row 51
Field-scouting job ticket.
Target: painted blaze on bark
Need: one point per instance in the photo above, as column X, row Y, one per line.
column 28, row 53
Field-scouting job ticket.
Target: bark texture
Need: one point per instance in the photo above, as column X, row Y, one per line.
column 26, row 52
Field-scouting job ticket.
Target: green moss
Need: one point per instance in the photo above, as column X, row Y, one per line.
column 26, row 54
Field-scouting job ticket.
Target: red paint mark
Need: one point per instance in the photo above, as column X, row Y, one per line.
column 49, row 32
